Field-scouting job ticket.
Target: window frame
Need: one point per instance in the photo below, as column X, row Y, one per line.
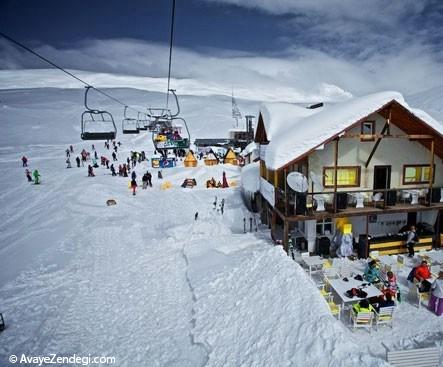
column 367, row 137
column 405, row 166
column 358, row 168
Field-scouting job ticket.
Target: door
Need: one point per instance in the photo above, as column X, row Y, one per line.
column 382, row 177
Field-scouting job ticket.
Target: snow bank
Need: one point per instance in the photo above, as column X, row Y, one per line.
column 277, row 116
column 250, row 177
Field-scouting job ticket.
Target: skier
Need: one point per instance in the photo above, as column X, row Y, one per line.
column 28, row 175
column 145, row 181
column 215, row 203
column 93, row 147
column 222, row 206
column 68, row 154
column 78, row 161
column 119, row 143
column 95, row 154
column 196, row 216
column 94, row 163
column 115, row 149
column 291, row 247
column 114, row 156
column 149, row 179
column 133, row 186
column 71, row 148
column 113, row 170
column 25, row 161
column 107, row 163
column 68, row 162
column 160, row 175
column 36, row 177
column 133, row 175
column 90, row 171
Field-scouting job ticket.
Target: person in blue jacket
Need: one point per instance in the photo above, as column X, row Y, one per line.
column 372, row 273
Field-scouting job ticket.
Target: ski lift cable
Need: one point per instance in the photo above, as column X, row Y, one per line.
column 63, row 70
column 170, row 52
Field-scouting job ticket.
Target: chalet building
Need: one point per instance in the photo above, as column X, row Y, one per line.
column 372, row 163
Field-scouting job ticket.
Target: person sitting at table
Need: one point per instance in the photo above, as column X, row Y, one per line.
column 422, row 273
column 372, row 274
column 390, row 284
column 362, row 306
column 388, row 302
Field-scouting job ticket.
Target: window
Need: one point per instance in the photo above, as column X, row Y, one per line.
column 324, row 226
column 416, row 174
column 346, row 176
column 367, row 130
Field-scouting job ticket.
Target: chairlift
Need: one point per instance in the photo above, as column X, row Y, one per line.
column 129, row 124
column 143, row 123
column 96, row 124
column 2, row 323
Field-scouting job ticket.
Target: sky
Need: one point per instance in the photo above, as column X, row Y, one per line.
column 294, row 47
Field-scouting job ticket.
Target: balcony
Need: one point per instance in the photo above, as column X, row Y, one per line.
column 357, row 202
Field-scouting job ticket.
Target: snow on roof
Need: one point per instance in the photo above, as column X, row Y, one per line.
column 279, row 115
column 250, row 177
column 210, row 156
column 249, row 149
column 304, row 134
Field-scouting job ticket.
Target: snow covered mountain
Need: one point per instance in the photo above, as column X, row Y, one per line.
column 143, row 281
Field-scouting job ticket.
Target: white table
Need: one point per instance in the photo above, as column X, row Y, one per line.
column 313, row 261
column 387, row 260
column 340, row 287
column 436, row 256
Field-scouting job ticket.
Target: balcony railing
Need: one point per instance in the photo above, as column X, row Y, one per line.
column 293, row 203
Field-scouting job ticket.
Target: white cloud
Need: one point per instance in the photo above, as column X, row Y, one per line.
column 299, row 74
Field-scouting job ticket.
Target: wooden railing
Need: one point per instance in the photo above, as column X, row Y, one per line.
column 382, row 199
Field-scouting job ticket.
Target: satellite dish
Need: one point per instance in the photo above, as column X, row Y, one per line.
column 297, row 182
column 317, row 181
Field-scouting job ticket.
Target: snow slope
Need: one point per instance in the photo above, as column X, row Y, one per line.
column 143, row 281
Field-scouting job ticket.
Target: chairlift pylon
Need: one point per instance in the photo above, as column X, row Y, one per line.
column 97, row 124
column 129, row 124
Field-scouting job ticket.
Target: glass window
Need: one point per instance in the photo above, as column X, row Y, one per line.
column 368, row 129
column 416, row 174
column 346, row 176
column 324, row 226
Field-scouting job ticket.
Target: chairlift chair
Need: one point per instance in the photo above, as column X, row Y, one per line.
column 129, row 124
column 2, row 323
column 143, row 123
column 162, row 144
column 96, row 124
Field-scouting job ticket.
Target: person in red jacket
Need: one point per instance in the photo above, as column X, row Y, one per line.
column 422, row 273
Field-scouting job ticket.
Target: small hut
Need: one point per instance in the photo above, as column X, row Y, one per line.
column 230, row 158
column 190, row 160
column 211, row 159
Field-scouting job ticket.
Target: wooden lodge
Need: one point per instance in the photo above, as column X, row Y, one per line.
column 370, row 162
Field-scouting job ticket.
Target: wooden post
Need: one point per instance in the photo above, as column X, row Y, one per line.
column 286, row 194
column 431, row 172
column 335, row 173
column 437, row 231
column 285, row 235
column 367, row 236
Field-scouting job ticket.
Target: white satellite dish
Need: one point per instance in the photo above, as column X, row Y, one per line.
column 297, row 182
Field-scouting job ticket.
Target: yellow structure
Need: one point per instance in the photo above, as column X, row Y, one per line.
column 166, row 185
column 211, row 160
column 230, row 158
column 190, row 160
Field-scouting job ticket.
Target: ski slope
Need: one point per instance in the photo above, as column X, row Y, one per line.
column 143, row 281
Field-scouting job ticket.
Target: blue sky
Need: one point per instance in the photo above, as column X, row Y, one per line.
column 358, row 45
